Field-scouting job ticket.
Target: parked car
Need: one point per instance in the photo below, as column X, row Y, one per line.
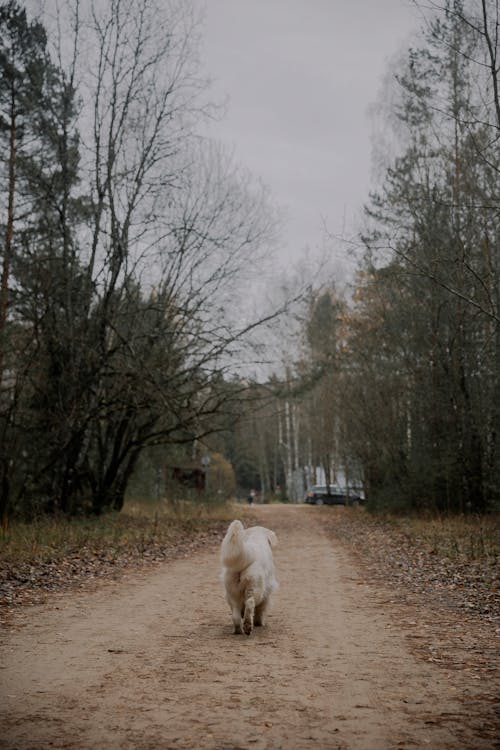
column 320, row 494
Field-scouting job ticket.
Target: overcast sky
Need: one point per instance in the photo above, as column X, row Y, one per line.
column 299, row 76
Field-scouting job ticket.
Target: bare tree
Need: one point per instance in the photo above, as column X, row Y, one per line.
column 127, row 297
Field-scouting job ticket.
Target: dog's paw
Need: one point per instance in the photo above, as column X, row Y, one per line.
column 247, row 627
column 237, row 630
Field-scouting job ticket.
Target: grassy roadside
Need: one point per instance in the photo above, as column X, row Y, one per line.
column 452, row 557
column 51, row 554
column 459, row 537
column 138, row 526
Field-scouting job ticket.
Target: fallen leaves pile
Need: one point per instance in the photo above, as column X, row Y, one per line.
column 409, row 563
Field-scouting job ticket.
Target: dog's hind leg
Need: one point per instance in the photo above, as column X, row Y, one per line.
column 237, row 620
column 248, row 614
column 260, row 613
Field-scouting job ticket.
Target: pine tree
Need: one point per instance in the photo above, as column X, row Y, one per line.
column 44, row 292
column 23, row 60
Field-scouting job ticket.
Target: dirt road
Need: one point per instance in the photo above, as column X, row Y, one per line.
column 151, row 662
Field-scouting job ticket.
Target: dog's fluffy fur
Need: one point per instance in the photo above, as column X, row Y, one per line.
column 248, row 574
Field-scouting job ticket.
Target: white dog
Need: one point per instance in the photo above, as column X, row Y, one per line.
column 248, row 574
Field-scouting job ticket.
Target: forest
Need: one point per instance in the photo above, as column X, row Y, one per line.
column 126, row 239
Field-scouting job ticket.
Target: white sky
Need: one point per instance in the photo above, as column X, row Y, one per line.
column 299, row 76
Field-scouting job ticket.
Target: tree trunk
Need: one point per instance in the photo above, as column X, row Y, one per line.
column 9, row 233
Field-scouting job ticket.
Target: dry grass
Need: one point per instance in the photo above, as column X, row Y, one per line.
column 137, row 526
column 457, row 537
column 449, row 559
column 59, row 554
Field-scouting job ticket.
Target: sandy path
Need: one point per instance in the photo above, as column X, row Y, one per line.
column 150, row 662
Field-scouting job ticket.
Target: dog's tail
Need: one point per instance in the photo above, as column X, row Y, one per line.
column 272, row 538
column 232, row 550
